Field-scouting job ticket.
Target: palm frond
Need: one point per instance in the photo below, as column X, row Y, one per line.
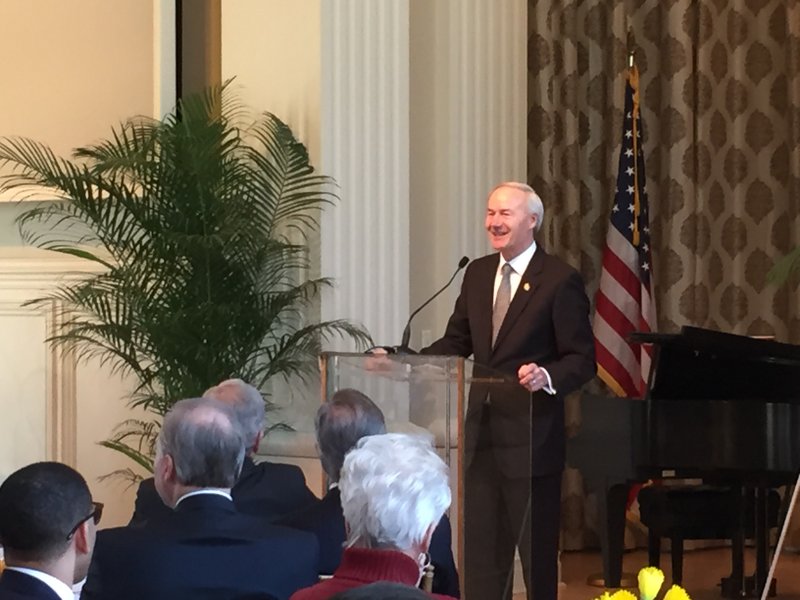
column 199, row 224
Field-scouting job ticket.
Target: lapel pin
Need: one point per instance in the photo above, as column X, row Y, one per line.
column 526, row 286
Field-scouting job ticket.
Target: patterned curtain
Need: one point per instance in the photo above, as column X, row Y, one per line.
column 720, row 83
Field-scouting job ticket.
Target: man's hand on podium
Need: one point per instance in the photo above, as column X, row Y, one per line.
column 534, row 378
column 377, row 359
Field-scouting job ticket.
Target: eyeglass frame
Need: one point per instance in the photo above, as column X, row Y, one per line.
column 96, row 515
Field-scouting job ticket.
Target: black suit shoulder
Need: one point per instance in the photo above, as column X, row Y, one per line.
column 324, row 519
column 266, row 490
column 271, row 490
column 205, row 548
column 21, row 586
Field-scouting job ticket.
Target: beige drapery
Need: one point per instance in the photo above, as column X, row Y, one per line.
column 720, row 83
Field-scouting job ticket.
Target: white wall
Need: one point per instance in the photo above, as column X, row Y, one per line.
column 72, row 70
column 53, row 408
column 273, row 50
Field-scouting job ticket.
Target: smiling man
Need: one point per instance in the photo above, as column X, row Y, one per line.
column 523, row 312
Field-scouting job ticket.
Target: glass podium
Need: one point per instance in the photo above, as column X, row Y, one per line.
column 480, row 422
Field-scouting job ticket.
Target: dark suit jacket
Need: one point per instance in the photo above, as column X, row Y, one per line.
column 21, row 586
column 204, row 549
column 267, row 490
column 326, row 521
column 547, row 323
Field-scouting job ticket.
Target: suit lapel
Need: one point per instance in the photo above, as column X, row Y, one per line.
column 529, row 283
column 485, row 294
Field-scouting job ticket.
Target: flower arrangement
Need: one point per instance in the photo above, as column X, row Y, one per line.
column 650, row 581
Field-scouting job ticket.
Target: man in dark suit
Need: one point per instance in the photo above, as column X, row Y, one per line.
column 47, row 530
column 266, row 490
column 346, row 418
column 204, row 548
column 525, row 313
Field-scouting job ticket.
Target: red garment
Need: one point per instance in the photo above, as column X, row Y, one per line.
column 361, row 566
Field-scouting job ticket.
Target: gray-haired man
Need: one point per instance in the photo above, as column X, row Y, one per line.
column 204, row 547
column 268, row 490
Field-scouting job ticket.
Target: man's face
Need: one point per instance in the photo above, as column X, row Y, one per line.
column 509, row 224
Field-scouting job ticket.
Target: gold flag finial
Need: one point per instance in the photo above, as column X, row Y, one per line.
column 631, row 43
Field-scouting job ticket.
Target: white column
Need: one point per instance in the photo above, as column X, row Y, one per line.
column 488, row 71
column 469, row 126
column 364, row 142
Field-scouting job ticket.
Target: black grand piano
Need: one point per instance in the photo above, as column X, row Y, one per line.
column 721, row 407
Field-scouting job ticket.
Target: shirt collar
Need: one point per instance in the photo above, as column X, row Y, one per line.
column 59, row 587
column 210, row 491
column 521, row 261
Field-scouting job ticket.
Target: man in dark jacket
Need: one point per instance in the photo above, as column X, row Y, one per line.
column 524, row 313
column 204, row 547
column 267, row 490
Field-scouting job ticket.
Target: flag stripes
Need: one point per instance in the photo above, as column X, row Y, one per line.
column 624, row 302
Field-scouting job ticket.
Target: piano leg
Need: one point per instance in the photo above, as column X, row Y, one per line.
column 739, row 585
column 762, row 540
column 611, row 506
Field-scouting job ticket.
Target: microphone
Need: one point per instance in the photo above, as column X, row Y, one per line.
column 403, row 347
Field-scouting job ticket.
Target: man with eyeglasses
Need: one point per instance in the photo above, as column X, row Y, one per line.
column 204, row 548
column 47, row 530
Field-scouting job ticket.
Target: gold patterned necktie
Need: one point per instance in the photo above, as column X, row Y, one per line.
column 502, row 301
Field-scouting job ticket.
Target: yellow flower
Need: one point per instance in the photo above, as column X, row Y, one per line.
column 622, row 595
column 604, row 596
column 650, row 580
column 676, row 592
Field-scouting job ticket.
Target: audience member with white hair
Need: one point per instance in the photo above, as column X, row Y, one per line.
column 345, row 418
column 394, row 490
column 267, row 490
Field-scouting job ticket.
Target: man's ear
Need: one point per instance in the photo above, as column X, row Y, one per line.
column 167, row 468
column 84, row 538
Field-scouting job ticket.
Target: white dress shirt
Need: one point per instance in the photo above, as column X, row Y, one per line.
column 519, row 264
column 212, row 491
column 59, row 587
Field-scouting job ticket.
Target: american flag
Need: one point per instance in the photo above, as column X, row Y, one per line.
column 624, row 301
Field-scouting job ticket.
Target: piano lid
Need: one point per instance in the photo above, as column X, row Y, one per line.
column 702, row 364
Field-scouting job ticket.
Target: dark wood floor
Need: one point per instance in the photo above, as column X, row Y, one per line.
column 702, row 570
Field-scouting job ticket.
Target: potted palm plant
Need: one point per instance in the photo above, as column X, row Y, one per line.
column 200, row 223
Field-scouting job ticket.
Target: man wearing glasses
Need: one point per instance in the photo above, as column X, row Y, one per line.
column 47, row 530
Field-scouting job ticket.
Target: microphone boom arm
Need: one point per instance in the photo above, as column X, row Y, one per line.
column 403, row 347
